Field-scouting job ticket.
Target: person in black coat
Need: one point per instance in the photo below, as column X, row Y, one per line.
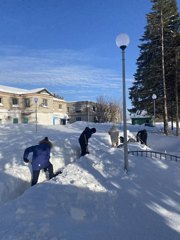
column 142, row 136
column 83, row 139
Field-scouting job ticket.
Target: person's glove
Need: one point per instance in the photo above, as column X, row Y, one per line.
column 26, row 160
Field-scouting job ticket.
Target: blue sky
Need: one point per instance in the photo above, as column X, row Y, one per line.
column 68, row 46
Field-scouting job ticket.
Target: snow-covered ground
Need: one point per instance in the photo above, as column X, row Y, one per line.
column 93, row 199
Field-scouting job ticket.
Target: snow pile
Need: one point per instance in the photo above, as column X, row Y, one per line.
column 93, row 198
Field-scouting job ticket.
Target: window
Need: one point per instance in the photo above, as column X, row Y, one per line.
column 25, row 120
column 60, row 106
column 15, row 120
column 45, row 102
column 1, row 102
column 94, row 108
column 26, row 102
column 78, row 118
column 78, row 109
column 14, row 101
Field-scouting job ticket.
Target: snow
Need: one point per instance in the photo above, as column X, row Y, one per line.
column 93, row 199
column 19, row 90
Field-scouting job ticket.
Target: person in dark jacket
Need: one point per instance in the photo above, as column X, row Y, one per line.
column 40, row 159
column 83, row 139
column 142, row 136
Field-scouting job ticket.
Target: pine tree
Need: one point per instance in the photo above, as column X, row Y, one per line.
column 156, row 66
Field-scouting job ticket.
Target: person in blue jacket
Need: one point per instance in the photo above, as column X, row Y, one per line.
column 83, row 139
column 40, row 159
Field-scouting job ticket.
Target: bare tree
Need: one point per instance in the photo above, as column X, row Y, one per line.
column 108, row 110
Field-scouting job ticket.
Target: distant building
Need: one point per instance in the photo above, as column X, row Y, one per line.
column 42, row 107
column 139, row 120
column 31, row 106
column 82, row 111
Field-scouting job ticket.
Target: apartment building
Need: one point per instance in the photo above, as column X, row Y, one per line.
column 31, row 106
column 82, row 111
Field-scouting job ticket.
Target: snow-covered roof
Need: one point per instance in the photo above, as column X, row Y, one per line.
column 58, row 99
column 140, row 116
column 19, row 90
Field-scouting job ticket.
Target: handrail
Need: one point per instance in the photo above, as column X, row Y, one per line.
column 155, row 154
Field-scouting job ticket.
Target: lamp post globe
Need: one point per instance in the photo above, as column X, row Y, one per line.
column 122, row 41
column 154, row 97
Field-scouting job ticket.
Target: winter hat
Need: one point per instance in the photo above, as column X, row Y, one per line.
column 46, row 140
column 93, row 130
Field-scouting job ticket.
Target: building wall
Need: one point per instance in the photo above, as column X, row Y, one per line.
column 44, row 118
column 59, row 112
column 59, row 105
column 41, row 111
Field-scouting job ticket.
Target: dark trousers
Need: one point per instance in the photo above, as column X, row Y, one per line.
column 84, row 148
column 35, row 174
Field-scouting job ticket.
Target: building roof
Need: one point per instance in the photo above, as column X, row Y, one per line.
column 58, row 99
column 8, row 89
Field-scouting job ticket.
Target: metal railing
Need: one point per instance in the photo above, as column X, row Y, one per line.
column 152, row 154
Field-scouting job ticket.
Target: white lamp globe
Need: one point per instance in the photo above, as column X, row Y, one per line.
column 154, row 96
column 122, row 40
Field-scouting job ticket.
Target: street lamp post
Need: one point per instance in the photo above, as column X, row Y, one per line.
column 122, row 41
column 88, row 106
column 154, row 97
column 36, row 100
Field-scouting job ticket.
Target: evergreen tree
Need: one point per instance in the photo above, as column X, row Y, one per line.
column 156, row 66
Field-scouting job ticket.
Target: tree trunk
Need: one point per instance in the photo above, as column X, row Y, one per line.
column 176, row 95
column 164, row 78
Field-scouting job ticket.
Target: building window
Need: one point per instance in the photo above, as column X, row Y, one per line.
column 45, row 102
column 26, row 102
column 14, row 101
column 94, row 108
column 78, row 109
column 78, row 118
column 1, row 102
column 15, row 120
column 60, row 106
column 25, row 120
